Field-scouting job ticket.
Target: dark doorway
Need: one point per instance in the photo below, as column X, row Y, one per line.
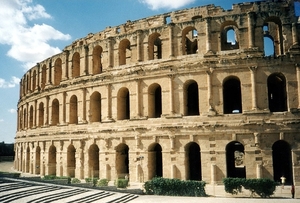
column 277, row 93
column 194, row 161
column 122, row 160
column 282, row 161
column 235, row 160
column 155, row 161
column 192, row 99
column 232, row 96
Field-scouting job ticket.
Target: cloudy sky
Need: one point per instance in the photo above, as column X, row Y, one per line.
column 32, row 30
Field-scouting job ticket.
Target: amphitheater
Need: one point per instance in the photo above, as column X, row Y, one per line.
column 169, row 95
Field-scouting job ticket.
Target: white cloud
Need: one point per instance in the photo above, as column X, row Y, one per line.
column 168, row 4
column 1, row 120
column 9, row 84
column 12, row 111
column 29, row 44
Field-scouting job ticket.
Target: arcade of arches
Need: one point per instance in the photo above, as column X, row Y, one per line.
column 198, row 98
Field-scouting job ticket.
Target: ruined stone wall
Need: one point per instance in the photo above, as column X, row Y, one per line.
column 166, row 88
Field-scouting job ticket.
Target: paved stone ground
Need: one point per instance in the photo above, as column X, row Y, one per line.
column 27, row 191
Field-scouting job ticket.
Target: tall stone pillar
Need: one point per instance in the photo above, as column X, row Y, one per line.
column 86, row 60
column 65, row 70
column 208, row 37
column 138, row 98
column 171, row 94
column 209, row 90
column 213, row 170
column 250, row 29
column 253, row 84
column 258, row 170
column 171, row 39
column 139, row 45
column 294, row 33
column 110, row 52
column 298, row 82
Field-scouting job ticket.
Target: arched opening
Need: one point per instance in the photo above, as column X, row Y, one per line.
column 52, row 160
column 37, row 160
column 44, row 76
column 277, row 92
column 155, row 163
column 273, row 30
column 95, row 107
column 189, row 41
column 232, row 96
column 269, row 46
column 123, row 106
column 73, row 110
column 27, row 160
column 55, row 112
column 282, row 161
column 193, row 164
column 191, row 96
column 57, row 71
column 154, row 46
column 94, row 161
column 41, row 114
column 97, row 60
column 31, row 117
column 124, row 52
column 71, row 160
column 229, row 37
column 154, row 101
column 235, row 156
column 28, row 84
column 76, row 65
column 34, row 80
column 122, row 160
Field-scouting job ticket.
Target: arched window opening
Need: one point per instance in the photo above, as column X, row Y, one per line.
column 154, row 101
column 95, row 107
column 31, row 117
column 52, row 161
column 277, row 93
column 71, row 161
column 273, row 31
column 55, row 112
column 155, row 163
column 235, row 160
column 282, row 162
column 168, row 20
column 76, row 65
column 232, row 96
column 41, row 114
column 192, row 99
column 193, row 158
column 34, row 80
column 37, row 160
column 57, row 71
column 122, row 160
column 94, row 161
column 97, row 60
column 27, row 160
column 154, row 46
column 123, row 106
column 269, row 46
column 229, row 38
column 44, row 76
column 189, row 41
column 124, row 52
column 73, row 110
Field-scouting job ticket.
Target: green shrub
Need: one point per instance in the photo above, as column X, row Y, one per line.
column 121, row 183
column 75, row 180
column 49, row 177
column 262, row 187
column 175, row 187
column 102, row 182
column 91, row 180
column 10, row 175
column 233, row 185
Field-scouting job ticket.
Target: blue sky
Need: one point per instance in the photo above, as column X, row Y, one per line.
column 32, row 30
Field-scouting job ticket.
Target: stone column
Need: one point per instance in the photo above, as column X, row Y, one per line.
column 64, row 109
column 171, row 94
column 294, row 33
column 171, row 39
column 66, row 69
column 208, row 38
column 209, row 90
column 35, row 114
column 258, row 171
column 173, row 171
column 253, row 84
column 298, row 82
column 86, row 60
column 250, row 29
column 213, row 173
column 110, row 52
column 139, row 45
column 47, row 111
column 109, row 100
column 138, row 100
column 50, row 73
column 84, row 105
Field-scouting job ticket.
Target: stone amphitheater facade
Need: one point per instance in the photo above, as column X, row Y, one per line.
column 169, row 95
